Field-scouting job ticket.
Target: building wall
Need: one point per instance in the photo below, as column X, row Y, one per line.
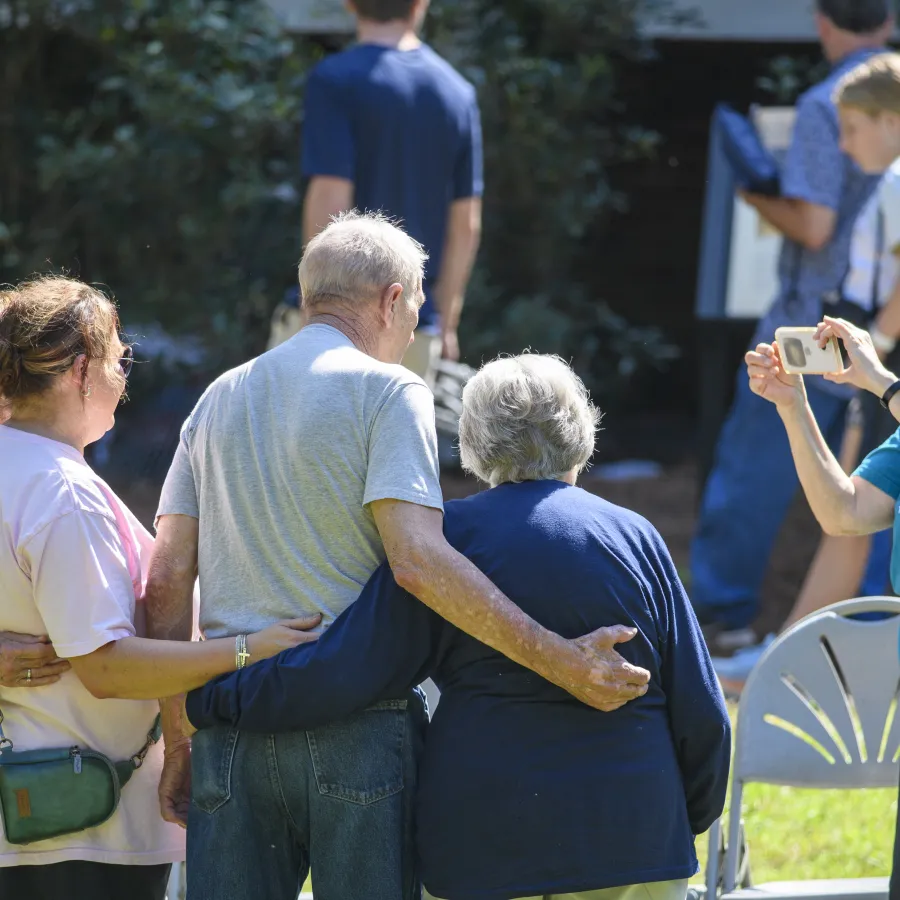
column 313, row 16
column 746, row 20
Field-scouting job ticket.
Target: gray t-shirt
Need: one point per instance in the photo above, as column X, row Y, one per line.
column 279, row 461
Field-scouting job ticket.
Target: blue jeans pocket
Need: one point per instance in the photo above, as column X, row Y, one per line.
column 360, row 759
column 212, row 756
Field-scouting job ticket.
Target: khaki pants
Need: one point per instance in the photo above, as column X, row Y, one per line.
column 654, row 890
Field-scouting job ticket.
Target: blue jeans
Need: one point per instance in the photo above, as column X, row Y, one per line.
column 266, row 808
column 746, row 498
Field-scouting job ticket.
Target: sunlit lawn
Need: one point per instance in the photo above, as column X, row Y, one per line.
column 800, row 834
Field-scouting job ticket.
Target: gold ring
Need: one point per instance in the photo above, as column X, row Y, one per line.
column 28, row 675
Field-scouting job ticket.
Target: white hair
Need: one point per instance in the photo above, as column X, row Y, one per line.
column 526, row 418
column 356, row 257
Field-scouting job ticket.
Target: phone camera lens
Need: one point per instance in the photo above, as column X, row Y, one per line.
column 794, row 353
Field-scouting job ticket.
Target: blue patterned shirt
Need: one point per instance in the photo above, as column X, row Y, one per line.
column 815, row 170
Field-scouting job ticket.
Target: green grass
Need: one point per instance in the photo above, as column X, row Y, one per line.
column 797, row 834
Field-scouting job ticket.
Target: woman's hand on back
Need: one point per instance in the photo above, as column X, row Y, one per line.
column 24, row 655
column 282, row 636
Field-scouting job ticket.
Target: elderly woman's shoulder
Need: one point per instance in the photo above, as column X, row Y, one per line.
column 622, row 516
column 563, row 503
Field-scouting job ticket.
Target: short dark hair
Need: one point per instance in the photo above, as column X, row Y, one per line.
column 858, row 16
column 384, row 10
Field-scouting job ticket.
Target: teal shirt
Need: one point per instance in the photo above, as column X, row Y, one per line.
column 882, row 468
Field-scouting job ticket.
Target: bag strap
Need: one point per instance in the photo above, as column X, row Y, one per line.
column 128, row 767
column 124, row 769
column 5, row 742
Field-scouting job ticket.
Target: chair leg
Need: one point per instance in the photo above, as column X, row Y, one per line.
column 714, row 860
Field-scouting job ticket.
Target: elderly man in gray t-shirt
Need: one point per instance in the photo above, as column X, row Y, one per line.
column 296, row 474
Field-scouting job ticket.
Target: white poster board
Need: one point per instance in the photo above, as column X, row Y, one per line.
column 755, row 245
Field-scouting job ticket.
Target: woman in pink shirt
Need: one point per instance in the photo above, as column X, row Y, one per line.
column 73, row 563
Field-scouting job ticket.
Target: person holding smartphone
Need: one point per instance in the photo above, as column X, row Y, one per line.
column 868, row 104
column 866, row 501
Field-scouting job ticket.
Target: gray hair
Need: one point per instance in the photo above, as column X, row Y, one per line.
column 526, row 418
column 357, row 256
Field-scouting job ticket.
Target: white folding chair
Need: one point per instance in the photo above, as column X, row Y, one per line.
column 818, row 711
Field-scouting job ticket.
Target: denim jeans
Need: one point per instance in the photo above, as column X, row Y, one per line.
column 746, row 498
column 265, row 808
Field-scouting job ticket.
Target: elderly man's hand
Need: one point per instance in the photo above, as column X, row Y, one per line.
column 610, row 681
column 29, row 660
column 175, row 783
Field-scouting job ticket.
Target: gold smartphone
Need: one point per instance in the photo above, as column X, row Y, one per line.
column 801, row 354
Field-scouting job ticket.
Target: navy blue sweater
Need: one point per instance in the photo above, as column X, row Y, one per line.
column 523, row 790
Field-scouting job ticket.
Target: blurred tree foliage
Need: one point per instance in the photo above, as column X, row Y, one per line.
column 554, row 129
column 152, row 145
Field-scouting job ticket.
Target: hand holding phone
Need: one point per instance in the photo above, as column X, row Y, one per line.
column 802, row 355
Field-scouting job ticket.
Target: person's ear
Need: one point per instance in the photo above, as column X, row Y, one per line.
column 391, row 296
column 78, row 373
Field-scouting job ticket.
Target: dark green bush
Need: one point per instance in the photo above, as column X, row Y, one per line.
column 153, row 146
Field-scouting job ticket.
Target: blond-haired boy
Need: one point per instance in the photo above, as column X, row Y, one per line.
column 868, row 102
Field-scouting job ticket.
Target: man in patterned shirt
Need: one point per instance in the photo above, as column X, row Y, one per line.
column 753, row 480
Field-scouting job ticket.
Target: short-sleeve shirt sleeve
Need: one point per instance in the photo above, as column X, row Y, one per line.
column 881, row 467
column 82, row 585
column 403, row 455
column 814, row 166
column 179, row 495
column 328, row 146
column 468, row 174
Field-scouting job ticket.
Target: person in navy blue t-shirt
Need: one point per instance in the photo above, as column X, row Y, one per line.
column 524, row 792
column 389, row 125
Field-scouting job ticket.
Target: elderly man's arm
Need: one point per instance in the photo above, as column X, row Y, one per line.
column 427, row 566
column 169, row 594
column 169, row 600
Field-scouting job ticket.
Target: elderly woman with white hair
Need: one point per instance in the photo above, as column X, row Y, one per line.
column 524, row 791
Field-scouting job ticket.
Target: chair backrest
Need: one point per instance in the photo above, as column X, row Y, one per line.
column 819, row 710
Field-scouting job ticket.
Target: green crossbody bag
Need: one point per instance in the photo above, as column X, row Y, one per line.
column 48, row 793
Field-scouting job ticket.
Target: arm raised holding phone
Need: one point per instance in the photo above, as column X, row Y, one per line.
column 843, row 504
